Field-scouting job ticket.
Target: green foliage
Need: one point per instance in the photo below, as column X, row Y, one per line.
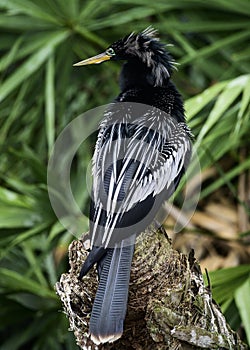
column 230, row 288
column 40, row 93
column 221, row 112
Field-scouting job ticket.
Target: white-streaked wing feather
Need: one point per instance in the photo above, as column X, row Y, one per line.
column 164, row 162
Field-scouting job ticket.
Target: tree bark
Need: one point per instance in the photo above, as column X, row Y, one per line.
column 169, row 306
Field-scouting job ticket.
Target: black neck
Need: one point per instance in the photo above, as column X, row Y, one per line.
column 136, row 74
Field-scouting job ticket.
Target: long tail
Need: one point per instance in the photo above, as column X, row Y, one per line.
column 110, row 305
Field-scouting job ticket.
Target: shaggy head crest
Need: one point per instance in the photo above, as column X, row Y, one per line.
column 146, row 47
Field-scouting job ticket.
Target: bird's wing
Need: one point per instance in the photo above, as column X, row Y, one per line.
column 135, row 159
column 165, row 164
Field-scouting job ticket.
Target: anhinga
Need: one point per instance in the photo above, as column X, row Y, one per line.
column 142, row 150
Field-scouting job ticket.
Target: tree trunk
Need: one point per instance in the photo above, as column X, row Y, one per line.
column 169, row 307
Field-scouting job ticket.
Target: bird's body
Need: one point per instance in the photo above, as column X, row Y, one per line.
column 142, row 150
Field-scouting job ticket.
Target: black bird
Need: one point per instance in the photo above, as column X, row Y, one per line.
column 142, row 150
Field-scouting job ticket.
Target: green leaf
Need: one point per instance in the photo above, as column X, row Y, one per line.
column 245, row 104
column 35, row 268
column 124, row 17
column 50, row 103
column 10, row 56
column 12, row 198
column 225, row 282
column 229, row 175
column 242, row 299
column 34, row 302
column 216, row 46
column 197, row 103
column 31, row 65
column 13, row 281
column 225, row 99
column 56, row 230
column 29, row 8
column 20, row 23
column 14, row 217
column 16, row 109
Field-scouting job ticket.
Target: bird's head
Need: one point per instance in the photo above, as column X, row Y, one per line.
column 143, row 47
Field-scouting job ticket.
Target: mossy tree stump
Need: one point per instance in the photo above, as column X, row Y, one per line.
column 169, row 306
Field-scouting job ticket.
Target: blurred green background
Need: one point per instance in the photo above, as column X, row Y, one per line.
column 40, row 93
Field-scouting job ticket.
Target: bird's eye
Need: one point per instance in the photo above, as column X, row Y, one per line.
column 110, row 52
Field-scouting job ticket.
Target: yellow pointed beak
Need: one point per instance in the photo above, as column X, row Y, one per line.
column 94, row 60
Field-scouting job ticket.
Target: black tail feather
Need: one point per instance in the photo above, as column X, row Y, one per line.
column 110, row 305
column 95, row 255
